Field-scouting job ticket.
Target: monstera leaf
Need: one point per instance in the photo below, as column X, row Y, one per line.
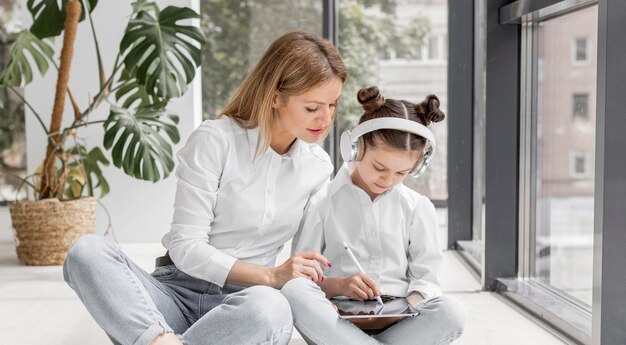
column 130, row 92
column 48, row 17
column 161, row 53
column 89, row 174
column 19, row 72
column 138, row 143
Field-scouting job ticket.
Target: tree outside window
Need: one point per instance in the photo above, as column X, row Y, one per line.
column 12, row 125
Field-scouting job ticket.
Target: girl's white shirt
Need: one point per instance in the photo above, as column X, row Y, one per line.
column 394, row 237
column 228, row 207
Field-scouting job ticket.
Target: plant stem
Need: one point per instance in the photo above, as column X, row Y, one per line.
column 31, row 109
column 95, row 40
column 82, row 124
column 71, row 24
column 17, row 177
column 98, row 96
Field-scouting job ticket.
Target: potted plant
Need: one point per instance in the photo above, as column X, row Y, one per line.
column 156, row 61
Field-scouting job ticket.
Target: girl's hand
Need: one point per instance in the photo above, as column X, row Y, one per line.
column 359, row 287
column 306, row 265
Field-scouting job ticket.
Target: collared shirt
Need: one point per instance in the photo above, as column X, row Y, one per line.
column 393, row 237
column 229, row 207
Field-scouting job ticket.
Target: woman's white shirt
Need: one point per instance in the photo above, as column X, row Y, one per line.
column 228, row 207
column 394, row 237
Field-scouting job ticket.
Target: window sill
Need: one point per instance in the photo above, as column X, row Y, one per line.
column 566, row 315
column 472, row 252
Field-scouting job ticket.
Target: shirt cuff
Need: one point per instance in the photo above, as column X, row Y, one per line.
column 415, row 298
column 219, row 267
column 427, row 291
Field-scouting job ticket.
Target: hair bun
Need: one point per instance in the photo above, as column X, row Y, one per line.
column 370, row 99
column 429, row 109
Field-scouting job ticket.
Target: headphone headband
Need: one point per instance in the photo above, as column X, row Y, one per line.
column 350, row 149
column 393, row 123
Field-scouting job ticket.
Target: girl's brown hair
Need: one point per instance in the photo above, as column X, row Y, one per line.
column 376, row 106
column 292, row 65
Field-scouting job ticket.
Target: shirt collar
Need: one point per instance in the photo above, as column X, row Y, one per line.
column 342, row 178
column 294, row 153
column 253, row 138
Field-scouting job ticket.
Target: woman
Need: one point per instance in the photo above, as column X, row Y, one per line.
column 243, row 182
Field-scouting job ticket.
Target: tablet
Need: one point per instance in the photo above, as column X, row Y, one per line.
column 393, row 307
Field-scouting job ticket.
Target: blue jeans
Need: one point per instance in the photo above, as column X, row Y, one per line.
column 440, row 321
column 133, row 306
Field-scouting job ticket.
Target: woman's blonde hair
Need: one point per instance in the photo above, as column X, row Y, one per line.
column 292, row 65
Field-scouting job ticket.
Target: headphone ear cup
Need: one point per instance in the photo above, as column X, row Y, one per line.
column 418, row 169
column 422, row 163
column 360, row 149
column 345, row 146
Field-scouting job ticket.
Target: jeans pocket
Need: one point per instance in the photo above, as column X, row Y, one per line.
column 165, row 272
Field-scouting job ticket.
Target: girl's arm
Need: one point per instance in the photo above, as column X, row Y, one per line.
column 424, row 253
column 311, row 237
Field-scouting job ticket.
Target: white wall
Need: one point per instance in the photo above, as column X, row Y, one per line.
column 141, row 211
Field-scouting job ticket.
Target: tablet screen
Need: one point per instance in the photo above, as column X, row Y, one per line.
column 393, row 307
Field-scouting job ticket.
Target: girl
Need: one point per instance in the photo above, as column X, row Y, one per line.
column 391, row 228
column 243, row 183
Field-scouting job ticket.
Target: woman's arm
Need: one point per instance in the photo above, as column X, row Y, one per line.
column 310, row 234
column 201, row 165
column 200, row 168
column 305, row 265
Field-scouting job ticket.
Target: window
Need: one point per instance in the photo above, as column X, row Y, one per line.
column 238, row 32
column 12, row 125
column 578, row 164
column 561, row 177
column 580, row 50
column 413, row 30
column 395, row 59
column 433, row 48
column 580, row 106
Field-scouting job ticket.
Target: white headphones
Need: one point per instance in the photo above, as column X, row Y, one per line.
column 352, row 145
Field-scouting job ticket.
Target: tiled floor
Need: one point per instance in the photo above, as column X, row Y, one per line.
column 37, row 307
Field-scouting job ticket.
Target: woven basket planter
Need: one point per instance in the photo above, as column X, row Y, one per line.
column 45, row 229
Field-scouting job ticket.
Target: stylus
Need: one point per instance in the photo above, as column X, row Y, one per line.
column 356, row 262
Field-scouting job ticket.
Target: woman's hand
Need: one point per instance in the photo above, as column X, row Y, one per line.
column 359, row 287
column 306, row 265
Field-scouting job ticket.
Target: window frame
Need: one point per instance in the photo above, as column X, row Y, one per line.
column 571, row 316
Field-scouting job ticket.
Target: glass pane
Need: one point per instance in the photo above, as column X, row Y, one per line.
column 581, row 106
column 386, row 43
column 238, row 32
column 12, row 126
column 581, row 49
column 566, row 103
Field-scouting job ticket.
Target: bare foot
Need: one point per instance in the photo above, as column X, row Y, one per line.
column 166, row 339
